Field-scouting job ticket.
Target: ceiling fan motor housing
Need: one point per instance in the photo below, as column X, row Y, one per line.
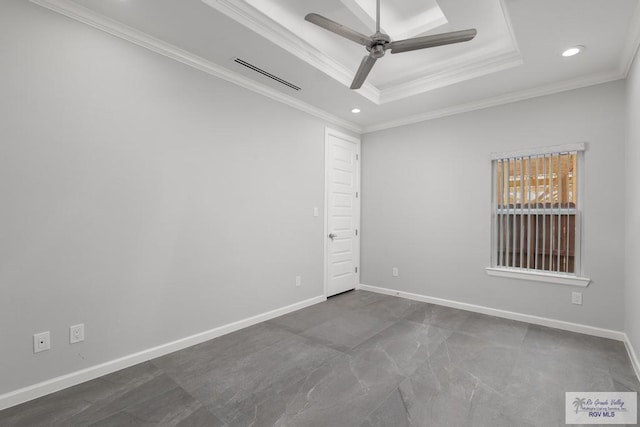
column 377, row 51
column 379, row 41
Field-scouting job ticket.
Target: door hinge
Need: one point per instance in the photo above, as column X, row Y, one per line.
column 356, row 194
column 356, row 231
column 357, row 156
column 356, row 269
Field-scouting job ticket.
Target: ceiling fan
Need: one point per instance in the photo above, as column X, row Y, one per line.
column 379, row 43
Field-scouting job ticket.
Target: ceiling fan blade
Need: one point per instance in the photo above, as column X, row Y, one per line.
column 363, row 71
column 338, row 29
column 431, row 41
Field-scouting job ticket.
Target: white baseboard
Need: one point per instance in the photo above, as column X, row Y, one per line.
column 635, row 362
column 543, row 321
column 31, row 392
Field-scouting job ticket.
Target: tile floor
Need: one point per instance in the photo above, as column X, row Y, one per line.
column 359, row 359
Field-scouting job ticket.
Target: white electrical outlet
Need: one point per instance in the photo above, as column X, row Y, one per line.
column 76, row 333
column 576, row 298
column 41, row 342
column 394, row 271
column 315, row 211
column 298, row 280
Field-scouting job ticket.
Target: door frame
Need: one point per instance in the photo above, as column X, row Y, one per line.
column 357, row 141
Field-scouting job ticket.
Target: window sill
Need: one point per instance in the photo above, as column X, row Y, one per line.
column 559, row 279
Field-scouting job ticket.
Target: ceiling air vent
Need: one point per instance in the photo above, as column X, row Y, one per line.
column 265, row 73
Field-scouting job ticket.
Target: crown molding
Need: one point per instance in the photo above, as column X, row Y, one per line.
column 632, row 45
column 79, row 13
column 482, row 62
column 452, row 75
column 489, row 61
column 499, row 100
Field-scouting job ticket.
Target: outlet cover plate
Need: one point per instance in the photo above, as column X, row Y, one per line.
column 76, row 333
column 41, row 342
column 576, row 298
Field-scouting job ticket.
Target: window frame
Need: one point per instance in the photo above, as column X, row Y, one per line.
column 576, row 278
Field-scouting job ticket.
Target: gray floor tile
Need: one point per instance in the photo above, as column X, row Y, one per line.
column 358, row 359
column 92, row 400
column 51, row 410
column 487, row 364
column 342, row 392
column 262, row 408
column 192, row 362
column 200, row 418
column 488, row 415
column 442, row 317
column 392, row 412
column 542, row 381
column 620, row 368
column 232, row 387
column 142, row 394
column 173, row 408
column 462, row 375
column 557, row 342
column 412, row 406
column 356, row 299
column 303, row 320
column 347, row 330
column 494, row 329
column 392, row 308
column 439, row 394
column 405, row 344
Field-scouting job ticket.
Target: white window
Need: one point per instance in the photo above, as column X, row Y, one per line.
column 536, row 214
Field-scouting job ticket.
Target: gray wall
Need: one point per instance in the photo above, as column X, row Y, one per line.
column 632, row 271
column 144, row 198
column 427, row 200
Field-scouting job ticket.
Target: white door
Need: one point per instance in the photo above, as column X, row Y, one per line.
column 342, row 254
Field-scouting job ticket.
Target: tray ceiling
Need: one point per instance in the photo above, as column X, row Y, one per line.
column 516, row 54
column 395, row 76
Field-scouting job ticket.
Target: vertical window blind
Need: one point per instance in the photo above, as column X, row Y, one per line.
column 536, row 210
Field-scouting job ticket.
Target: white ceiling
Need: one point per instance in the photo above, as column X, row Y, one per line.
column 516, row 54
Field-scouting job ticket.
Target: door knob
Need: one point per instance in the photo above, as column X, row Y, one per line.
column 332, row 236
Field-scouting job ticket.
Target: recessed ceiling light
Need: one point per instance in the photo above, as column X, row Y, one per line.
column 355, row 110
column 572, row 51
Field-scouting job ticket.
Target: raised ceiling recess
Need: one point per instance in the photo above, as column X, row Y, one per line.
column 282, row 22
